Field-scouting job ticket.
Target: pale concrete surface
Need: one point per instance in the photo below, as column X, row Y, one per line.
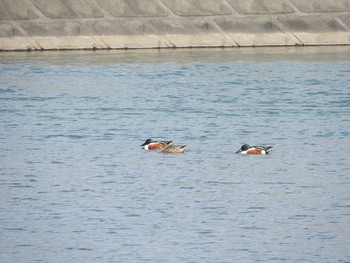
column 119, row 24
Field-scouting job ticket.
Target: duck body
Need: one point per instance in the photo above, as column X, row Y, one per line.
column 257, row 150
column 149, row 144
column 174, row 149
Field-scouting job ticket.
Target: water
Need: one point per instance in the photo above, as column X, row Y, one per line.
column 77, row 187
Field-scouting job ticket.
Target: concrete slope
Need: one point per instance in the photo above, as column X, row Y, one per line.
column 119, row 24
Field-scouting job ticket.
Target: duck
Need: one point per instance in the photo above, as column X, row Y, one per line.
column 174, row 149
column 149, row 144
column 247, row 149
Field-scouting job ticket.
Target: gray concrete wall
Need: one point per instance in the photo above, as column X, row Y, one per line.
column 104, row 24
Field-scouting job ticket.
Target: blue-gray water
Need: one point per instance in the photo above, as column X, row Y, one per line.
column 75, row 185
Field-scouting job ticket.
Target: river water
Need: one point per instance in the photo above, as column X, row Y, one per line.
column 77, row 187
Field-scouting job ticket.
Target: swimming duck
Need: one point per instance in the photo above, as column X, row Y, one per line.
column 174, row 149
column 149, row 144
column 247, row 149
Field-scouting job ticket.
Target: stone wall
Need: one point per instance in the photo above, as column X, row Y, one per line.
column 118, row 24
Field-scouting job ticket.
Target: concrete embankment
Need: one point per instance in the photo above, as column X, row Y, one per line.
column 119, row 24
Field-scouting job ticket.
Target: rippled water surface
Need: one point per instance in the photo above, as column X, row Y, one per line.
column 77, row 187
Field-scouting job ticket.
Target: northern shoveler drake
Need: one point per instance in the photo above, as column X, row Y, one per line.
column 149, row 144
column 174, row 149
column 247, row 149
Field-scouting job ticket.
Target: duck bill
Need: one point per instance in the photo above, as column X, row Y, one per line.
column 239, row 151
